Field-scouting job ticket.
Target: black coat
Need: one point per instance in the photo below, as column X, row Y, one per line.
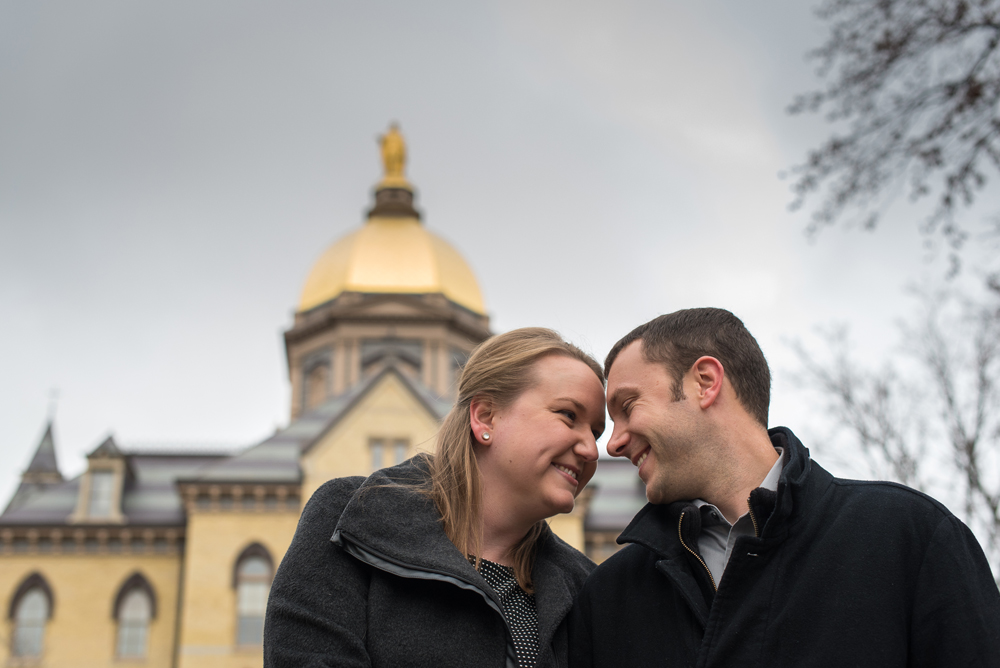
column 371, row 579
column 844, row 573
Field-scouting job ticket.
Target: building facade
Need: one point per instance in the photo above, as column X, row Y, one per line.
column 164, row 559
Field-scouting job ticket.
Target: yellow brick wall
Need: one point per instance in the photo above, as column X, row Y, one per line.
column 388, row 411
column 214, row 542
column 81, row 633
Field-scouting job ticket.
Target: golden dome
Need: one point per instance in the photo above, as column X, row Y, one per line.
column 393, row 252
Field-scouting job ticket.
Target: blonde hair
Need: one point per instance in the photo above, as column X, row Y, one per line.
column 500, row 369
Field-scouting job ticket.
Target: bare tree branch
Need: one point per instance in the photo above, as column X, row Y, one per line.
column 914, row 89
column 948, row 399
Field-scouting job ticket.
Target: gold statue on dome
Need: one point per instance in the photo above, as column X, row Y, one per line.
column 393, row 158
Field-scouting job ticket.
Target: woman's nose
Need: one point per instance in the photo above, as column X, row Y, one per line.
column 587, row 448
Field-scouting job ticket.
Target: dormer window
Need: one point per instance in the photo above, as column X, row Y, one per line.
column 101, row 488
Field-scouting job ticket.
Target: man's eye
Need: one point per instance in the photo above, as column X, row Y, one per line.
column 627, row 407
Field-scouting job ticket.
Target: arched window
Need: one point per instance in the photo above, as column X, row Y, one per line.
column 134, row 607
column 30, row 609
column 252, row 580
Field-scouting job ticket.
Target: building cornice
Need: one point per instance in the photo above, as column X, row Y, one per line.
column 92, row 540
column 240, row 497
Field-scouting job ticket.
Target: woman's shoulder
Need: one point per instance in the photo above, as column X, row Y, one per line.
column 565, row 557
column 328, row 502
column 334, row 495
column 337, row 491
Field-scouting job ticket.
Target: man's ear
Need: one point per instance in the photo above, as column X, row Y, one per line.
column 482, row 414
column 707, row 373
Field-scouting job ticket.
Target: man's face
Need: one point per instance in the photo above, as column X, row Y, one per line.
column 663, row 437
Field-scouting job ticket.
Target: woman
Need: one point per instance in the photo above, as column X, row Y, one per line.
column 447, row 560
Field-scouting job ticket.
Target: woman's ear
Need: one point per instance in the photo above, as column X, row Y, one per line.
column 482, row 414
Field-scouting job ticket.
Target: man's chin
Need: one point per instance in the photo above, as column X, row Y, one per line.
column 656, row 494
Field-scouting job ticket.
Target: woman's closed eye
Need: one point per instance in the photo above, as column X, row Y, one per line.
column 571, row 414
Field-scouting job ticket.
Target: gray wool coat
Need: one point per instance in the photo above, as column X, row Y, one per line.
column 371, row 579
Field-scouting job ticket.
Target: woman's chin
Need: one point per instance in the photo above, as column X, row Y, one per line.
column 563, row 506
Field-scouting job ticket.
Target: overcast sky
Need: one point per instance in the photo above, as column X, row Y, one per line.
column 169, row 171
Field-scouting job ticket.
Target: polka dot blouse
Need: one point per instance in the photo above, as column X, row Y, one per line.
column 518, row 609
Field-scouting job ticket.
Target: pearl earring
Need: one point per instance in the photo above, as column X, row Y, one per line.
column 486, row 435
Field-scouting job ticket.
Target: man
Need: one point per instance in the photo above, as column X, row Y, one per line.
column 748, row 552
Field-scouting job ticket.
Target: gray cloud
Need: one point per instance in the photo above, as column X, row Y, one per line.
column 169, row 172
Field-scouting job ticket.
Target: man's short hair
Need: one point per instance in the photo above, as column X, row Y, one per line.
column 678, row 339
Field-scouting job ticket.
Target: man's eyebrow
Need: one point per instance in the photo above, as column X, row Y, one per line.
column 616, row 397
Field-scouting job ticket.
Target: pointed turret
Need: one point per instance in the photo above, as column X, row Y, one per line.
column 42, row 472
column 44, row 469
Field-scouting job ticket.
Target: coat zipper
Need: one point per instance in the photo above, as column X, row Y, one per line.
column 696, row 555
column 371, row 557
column 753, row 518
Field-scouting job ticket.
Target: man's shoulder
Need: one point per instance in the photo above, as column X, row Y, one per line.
column 888, row 497
column 872, row 510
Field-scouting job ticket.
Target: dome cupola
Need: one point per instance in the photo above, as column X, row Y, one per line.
column 393, row 252
column 390, row 293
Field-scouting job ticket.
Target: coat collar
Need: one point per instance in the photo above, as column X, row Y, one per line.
column 655, row 526
column 389, row 517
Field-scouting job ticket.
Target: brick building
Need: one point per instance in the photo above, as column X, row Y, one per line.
column 164, row 559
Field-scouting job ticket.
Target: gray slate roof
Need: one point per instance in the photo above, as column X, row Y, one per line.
column 277, row 458
column 150, row 496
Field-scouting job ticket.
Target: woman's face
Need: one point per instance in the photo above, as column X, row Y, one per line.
column 542, row 448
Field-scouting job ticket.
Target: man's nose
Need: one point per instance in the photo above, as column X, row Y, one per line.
column 617, row 442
